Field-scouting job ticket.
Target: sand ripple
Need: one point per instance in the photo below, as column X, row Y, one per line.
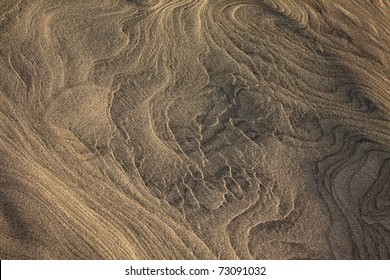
column 194, row 129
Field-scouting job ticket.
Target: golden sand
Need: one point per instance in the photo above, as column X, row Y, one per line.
column 194, row 129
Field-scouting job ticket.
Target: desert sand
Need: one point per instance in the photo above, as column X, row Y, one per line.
column 194, row 129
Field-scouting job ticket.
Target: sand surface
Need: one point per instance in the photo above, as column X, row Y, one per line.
column 194, row 129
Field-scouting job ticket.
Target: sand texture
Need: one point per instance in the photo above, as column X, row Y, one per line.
column 194, row 129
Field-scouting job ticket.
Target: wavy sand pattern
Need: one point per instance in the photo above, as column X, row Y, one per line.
column 195, row 129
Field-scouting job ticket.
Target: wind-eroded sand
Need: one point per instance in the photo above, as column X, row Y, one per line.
column 194, row 129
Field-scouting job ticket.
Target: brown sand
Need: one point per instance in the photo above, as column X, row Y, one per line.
column 194, row 129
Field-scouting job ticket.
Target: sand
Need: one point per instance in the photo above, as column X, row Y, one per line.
column 194, row 129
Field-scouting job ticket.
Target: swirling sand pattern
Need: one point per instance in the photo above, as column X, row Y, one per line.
column 195, row 129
